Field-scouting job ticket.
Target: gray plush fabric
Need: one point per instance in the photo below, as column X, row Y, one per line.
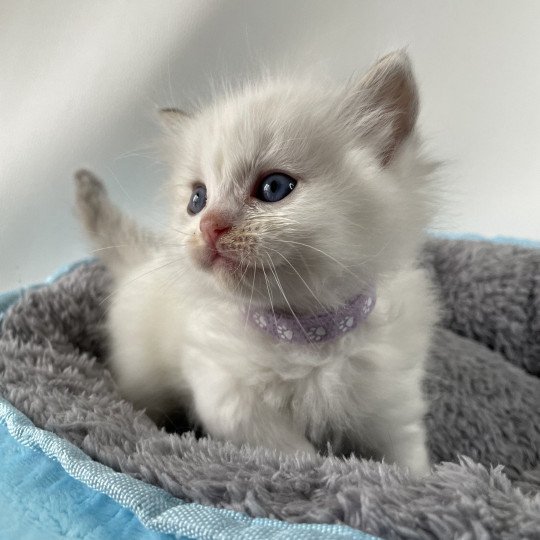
column 482, row 385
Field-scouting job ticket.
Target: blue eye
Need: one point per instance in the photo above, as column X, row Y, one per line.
column 275, row 187
column 198, row 200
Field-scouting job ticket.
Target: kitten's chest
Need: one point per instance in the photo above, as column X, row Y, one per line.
column 330, row 401
column 322, row 389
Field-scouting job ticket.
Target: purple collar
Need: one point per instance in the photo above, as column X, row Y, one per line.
column 301, row 329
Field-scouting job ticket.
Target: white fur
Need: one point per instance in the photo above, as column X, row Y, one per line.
column 178, row 331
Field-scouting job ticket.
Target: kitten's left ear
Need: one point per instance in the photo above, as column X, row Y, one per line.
column 383, row 105
column 172, row 118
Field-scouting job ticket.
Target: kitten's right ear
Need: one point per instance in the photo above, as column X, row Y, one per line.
column 382, row 106
column 172, row 119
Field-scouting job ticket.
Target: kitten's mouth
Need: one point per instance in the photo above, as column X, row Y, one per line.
column 224, row 264
column 213, row 258
column 220, row 260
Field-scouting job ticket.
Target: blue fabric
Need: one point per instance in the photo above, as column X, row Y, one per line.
column 523, row 242
column 8, row 298
column 39, row 500
column 50, row 489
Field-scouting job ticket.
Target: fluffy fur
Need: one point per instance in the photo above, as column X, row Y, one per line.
column 354, row 221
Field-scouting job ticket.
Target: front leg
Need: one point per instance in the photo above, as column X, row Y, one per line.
column 398, row 432
column 230, row 411
column 405, row 445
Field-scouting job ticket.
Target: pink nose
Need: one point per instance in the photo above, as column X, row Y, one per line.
column 213, row 225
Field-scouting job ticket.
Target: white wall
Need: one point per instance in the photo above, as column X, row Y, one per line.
column 79, row 83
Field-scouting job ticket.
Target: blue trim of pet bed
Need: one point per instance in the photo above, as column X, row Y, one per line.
column 51, row 489
column 40, row 500
column 55, row 487
column 523, row 242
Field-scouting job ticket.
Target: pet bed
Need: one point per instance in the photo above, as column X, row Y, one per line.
column 79, row 461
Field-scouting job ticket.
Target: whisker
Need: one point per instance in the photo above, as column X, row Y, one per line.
column 172, row 278
column 104, row 248
column 278, row 282
column 143, row 275
column 251, row 297
column 269, row 294
column 299, row 275
column 322, row 252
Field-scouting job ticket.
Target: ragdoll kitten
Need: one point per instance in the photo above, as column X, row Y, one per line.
column 283, row 305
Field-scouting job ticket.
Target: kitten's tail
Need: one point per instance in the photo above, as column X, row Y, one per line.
column 118, row 241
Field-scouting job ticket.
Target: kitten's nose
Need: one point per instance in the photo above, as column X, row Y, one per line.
column 213, row 225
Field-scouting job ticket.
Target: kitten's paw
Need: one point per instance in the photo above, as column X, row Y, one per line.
column 420, row 469
column 417, row 462
column 296, row 447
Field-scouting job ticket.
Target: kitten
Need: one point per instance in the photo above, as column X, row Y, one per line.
column 283, row 305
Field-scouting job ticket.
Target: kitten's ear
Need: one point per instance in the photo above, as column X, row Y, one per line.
column 383, row 105
column 172, row 119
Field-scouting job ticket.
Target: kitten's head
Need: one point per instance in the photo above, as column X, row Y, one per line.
column 298, row 192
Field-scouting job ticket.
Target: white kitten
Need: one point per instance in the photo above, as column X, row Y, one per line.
column 283, row 306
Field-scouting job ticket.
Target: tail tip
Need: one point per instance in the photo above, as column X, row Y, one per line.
column 88, row 180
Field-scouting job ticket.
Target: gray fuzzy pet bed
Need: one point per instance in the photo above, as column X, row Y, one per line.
column 482, row 385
